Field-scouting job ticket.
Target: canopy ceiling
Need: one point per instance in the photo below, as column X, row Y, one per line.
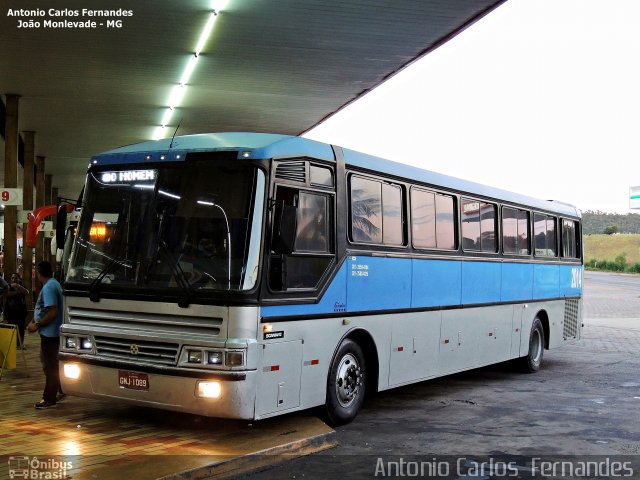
column 278, row 66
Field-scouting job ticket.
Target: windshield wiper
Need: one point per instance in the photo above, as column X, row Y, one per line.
column 178, row 274
column 94, row 287
column 176, row 269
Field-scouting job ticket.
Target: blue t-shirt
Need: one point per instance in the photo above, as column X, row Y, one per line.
column 50, row 295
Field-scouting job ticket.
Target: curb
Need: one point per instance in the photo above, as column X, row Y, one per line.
column 258, row 460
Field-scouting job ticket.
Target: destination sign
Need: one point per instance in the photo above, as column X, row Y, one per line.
column 128, row 177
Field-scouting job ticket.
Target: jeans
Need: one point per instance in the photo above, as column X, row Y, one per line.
column 49, row 359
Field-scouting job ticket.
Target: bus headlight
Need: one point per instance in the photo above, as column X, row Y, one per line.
column 194, row 356
column 72, row 371
column 85, row 344
column 71, row 342
column 209, row 389
column 214, row 358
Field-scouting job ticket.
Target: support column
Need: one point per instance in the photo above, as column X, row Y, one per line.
column 48, row 180
column 27, row 205
column 54, row 262
column 40, row 199
column 10, row 181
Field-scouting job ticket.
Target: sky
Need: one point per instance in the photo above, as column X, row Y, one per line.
column 540, row 97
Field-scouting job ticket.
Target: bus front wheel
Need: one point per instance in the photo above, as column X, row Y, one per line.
column 346, row 384
column 531, row 362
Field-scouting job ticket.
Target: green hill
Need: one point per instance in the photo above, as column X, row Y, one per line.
column 598, row 222
column 609, row 247
column 619, row 253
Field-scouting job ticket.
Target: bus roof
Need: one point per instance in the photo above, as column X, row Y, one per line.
column 268, row 145
column 261, row 145
column 377, row 164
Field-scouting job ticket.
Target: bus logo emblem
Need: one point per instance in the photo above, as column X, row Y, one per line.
column 134, row 349
column 272, row 335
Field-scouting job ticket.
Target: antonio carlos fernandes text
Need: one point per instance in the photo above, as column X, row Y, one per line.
column 67, row 12
column 537, row 468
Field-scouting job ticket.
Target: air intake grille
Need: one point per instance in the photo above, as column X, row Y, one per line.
column 158, row 323
column 570, row 329
column 143, row 351
column 292, row 171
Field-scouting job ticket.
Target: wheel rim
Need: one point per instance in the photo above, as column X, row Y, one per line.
column 536, row 347
column 348, row 380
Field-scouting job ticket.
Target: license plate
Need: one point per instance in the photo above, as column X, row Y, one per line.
column 133, row 380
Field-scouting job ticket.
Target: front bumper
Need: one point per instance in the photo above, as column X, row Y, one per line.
column 168, row 388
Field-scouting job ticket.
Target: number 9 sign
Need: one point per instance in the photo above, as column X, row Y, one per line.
column 11, row 196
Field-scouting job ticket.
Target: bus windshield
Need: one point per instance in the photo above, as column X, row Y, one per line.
column 193, row 226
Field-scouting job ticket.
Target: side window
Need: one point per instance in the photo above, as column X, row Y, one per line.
column 432, row 220
column 488, row 218
column 313, row 229
column 392, row 230
column 570, row 235
column 478, row 226
column 524, row 233
column 366, row 210
column 545, row 235
column 515, row 231
column 321, row 176
column 376, row 212
column 446, row 222
column 313, row 248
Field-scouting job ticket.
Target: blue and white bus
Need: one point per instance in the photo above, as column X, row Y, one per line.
column 246, row 275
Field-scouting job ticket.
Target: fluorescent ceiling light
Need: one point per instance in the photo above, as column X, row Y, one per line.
column 206, row 31
column 177, row 94
column 166, row 118
column 186, row 75
column 178, row 91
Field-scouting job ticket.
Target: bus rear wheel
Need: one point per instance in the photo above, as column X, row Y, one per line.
column 345, row 384
column 531, row 362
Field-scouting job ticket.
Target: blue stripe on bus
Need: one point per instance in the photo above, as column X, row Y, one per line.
column 570, row 281
column 517, row 282
column 546, row 281
column 377, row 283
column 436, row 282
column 481, row 282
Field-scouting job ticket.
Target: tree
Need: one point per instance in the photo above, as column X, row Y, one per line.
column 611, row 230
column 621, row 262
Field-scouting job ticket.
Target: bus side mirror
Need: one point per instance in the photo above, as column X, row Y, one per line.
column 285, row 227
column 61, row 225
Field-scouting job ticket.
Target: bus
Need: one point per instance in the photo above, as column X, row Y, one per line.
column 247, row 275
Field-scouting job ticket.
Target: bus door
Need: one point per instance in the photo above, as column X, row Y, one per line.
column 300, row 258
column 302, row 240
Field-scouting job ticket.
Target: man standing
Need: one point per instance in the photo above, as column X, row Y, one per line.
column 47, row 319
